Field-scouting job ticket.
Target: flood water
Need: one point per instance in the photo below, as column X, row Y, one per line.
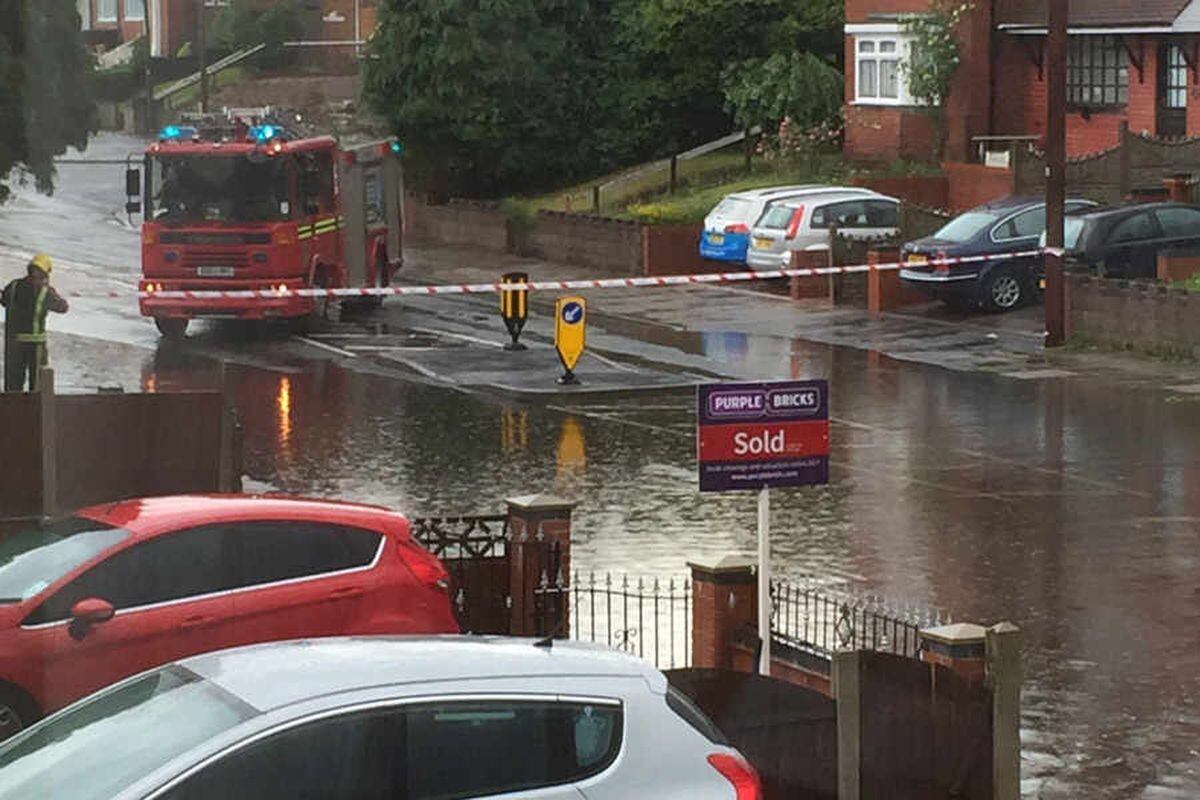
column 1068, row 508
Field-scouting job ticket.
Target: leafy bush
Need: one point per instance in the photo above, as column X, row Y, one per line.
column 240, row 25
column 800, row 87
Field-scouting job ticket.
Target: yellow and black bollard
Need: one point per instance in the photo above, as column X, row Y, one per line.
column 514, row 307
column 570, row 334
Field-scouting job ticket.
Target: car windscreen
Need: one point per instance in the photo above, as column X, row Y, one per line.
column 776, row 218
column 225, row 188
column 100, row 746
column 966, row 226
column 35, row 558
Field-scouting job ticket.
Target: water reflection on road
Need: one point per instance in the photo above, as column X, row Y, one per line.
column 1069, row 509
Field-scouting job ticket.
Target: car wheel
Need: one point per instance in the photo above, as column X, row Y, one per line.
column 17, row 711
column 170, row 328
column 1003, row 290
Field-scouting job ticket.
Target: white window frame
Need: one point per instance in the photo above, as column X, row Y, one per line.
column 132, row 16
column 874, row 35
column 116, row 11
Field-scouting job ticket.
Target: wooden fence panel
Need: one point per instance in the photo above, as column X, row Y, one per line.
column 926, row 732
column 20, row 455
column 789, row 733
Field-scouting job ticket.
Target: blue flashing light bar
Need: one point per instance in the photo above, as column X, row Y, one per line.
column 176, row 132
column 265, row 133
column 397, row 146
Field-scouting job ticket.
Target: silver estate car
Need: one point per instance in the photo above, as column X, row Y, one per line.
column 801, row 223
column 391, row 718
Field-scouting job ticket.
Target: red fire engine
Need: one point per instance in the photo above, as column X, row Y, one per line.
column 244, row 204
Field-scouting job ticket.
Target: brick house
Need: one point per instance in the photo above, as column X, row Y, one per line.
column 1131, row 61
column 326, row 24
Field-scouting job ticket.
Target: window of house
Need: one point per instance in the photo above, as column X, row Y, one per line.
column 877, row 64
column 135, row 9
column 106, row 10
column 1097, row 72
column 1175, row 75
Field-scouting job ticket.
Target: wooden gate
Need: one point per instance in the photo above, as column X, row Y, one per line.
column 926, row 731
column 789, row 733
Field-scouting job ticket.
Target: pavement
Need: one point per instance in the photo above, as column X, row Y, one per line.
column 665, row 330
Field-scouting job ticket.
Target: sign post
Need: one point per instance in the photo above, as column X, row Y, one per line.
column 570, row 334
column 514, row 307
column 759, row 435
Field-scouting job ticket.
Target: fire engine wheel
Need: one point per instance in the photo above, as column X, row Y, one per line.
column 171, row 328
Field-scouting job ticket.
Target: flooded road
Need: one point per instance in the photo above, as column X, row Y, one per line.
column 1070, row 506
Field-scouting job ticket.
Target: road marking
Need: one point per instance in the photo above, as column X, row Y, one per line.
column 464, row 337
column 610, row 362
column 328, row 347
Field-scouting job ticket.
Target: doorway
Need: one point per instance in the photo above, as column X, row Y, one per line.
column 1172, row 91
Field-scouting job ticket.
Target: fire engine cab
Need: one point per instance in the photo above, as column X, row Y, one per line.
column 244, row 203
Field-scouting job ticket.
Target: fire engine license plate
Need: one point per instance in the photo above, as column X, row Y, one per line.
column 214, row 272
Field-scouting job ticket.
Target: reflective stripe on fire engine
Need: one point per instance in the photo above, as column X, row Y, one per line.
column 326, row 225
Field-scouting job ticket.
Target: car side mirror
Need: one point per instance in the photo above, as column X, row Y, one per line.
column 133, row 183
column 133, row 207
column 88, row 613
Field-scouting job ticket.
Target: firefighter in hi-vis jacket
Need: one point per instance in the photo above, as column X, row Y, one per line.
column 28, row 300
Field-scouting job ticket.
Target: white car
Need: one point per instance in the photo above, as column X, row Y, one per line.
column 726, row 235
column 804, row 223
column 401, row 718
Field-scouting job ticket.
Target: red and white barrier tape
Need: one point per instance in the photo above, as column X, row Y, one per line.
column 569, row 285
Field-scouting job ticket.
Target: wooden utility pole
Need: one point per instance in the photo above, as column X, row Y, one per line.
column 1056, row 158
column 202, row 52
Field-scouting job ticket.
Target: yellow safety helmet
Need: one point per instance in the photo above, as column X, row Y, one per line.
column 42, row 262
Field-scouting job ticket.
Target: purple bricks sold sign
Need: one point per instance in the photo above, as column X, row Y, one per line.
column 754, row 435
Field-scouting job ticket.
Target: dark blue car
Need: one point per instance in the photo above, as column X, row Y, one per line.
column 1011, row 225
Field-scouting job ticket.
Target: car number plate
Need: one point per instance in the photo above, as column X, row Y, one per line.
column 716, row 238
column 763, row 243
column 917, row 259
column 214, row 272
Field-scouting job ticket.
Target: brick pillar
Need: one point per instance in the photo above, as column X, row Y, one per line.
column 811, row 286
column 961, row 647
column 884, row 290
column 1179, row 187
column 724, row 598
column 539, row 557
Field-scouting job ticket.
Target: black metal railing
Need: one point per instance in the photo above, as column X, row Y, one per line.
column 648, row 617
column 462, row 537
column 824, row 619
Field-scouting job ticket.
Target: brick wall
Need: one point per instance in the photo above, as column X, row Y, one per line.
column 605, row 245
column 873, row 10
column 884, row 133
column 930, row 191
column 1019, row 101
column 673, row 250
column 1130, row 314
column 462, row 222
column 973, row 184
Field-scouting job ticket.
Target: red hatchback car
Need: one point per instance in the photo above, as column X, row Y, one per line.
column 117, row 589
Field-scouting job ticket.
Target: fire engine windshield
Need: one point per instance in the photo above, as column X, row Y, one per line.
column 219, row 188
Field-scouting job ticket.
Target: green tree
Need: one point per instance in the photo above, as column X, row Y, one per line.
column 489, row 97
column 934, row 58
column 680, row 49
column 800, row 86
column 45, row 93
column 243, row 24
